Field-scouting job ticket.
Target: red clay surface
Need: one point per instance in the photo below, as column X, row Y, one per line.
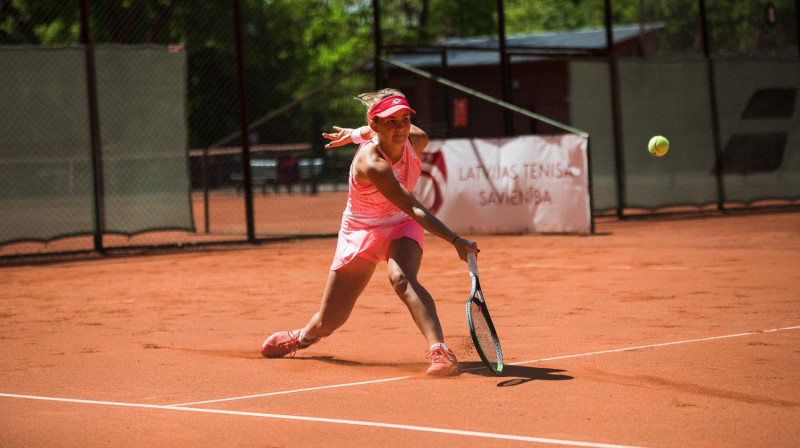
column 665, row 333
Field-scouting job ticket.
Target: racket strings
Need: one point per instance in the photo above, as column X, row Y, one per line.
column 483, row 332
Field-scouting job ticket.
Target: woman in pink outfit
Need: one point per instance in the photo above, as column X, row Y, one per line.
column 382, row 221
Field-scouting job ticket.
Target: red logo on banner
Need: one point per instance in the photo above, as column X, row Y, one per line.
column 460, row 113
column 434, row 171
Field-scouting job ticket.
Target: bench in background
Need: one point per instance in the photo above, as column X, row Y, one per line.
column 286, row 172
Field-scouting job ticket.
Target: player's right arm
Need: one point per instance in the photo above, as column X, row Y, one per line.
column 371, row 167
column 419, row 139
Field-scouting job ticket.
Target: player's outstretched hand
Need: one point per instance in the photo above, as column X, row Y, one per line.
column 339, row 138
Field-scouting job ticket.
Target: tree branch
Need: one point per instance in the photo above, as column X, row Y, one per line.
column 163, row 14
column 25, row 26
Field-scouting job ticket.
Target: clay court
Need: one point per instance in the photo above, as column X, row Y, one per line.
column 652, row 332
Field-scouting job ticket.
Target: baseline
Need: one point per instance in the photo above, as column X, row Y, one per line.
column 456, row 432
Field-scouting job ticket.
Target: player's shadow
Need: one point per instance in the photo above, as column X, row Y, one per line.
column 346, row 362
column 516, row 375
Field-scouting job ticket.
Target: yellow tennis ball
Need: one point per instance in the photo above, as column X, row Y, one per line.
column 658, row 146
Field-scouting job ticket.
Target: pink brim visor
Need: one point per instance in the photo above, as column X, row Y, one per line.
column 389, row 106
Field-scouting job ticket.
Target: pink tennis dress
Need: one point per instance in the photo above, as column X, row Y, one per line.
column 370, row 221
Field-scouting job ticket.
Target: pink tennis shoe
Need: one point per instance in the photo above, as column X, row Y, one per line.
column 443, row 362
column 281, row 344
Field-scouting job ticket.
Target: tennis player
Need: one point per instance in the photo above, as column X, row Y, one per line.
column 382, row 221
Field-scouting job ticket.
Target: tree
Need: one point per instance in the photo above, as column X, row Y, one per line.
column 294, row 46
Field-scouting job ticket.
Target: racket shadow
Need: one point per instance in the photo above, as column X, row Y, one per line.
column 516, row 375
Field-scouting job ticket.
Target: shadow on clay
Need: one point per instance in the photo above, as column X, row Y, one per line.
column 348, row 362
column 512, row 375
column 516, row 375
column 254, row 354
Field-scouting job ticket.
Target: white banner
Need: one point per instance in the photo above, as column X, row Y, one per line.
column 527, row 184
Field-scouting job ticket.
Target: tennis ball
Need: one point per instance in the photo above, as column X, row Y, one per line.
column 658, row 146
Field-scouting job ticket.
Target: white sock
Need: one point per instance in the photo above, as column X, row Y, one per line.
column 439, row 344
column 303, row 341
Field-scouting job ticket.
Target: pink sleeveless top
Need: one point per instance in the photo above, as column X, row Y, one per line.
column 370, row 221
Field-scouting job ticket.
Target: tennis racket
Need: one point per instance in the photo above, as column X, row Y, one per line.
column 484, row 336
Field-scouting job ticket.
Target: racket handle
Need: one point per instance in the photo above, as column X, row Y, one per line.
column 472, row 260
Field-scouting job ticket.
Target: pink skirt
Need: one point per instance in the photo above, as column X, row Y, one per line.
column 369, row 238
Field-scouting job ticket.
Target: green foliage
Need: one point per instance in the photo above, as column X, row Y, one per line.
column 292, row 47
column 525, row 16
column 39, row 22
column 464, row 18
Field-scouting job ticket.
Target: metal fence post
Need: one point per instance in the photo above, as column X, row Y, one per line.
column 378, row 39
column 505, row 68
column 797, row 24
column 712, row 91
column 616, row 119
column 94, row 129
column 245, row 133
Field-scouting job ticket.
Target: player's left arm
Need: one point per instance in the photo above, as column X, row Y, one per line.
column 344, row 136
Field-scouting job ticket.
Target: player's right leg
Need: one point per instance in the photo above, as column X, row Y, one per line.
column 404, row 260
column 343, row 288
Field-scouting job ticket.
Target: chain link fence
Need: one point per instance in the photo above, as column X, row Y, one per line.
column 720, row 80
column 123, row 122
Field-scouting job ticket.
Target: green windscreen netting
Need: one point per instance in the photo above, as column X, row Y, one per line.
column 46, row 177
column 760, row 128
column 758, row 109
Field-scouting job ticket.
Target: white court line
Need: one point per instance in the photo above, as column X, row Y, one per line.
column 622, row 267
column 456, row 432
column 663, row 344
column 269, row 394
column 640, row 347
